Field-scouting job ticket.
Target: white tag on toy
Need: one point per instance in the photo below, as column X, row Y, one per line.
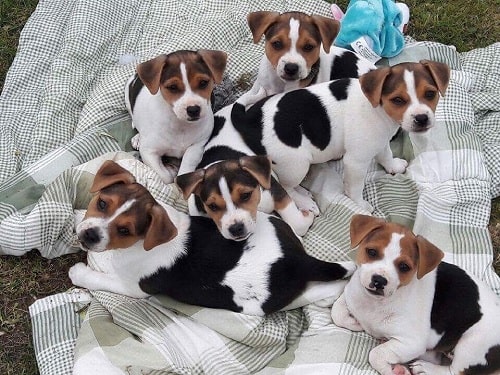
column 361, row 46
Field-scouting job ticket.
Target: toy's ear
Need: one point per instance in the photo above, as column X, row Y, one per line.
column 259, row 167
column 362, row 226
column 259, row 22
column 429, row 256
column 216, row 62
column 328, row 29
column 161, row 229
column 189, row 183
column 150, row 72
column 110, row 173
column 440, row 73
column 372, row 84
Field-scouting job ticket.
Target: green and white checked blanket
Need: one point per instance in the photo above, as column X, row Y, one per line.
column 62, row 109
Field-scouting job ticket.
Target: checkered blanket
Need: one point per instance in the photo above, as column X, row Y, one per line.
column 62, row 109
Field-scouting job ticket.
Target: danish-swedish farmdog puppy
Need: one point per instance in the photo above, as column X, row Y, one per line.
column 169, row 101
column 145, row 247
column 299, row 51
column 403, row 293
column 353, row 119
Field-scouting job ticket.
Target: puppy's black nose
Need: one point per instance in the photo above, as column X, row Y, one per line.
column 237, row 229
column 378, row 282
column 421, row 120
column 90, row 236
column 291, row 69
column 193, row 111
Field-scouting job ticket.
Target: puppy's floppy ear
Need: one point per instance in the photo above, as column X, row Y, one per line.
column 429, row 256
column 216, row 62
column 259, row 22
column 440, row 73
column 150, row 72
column 110, row 173
column 372, row 84
column 328, row 29
column 189, row 183
column 161, row 229
column 361, row 226
column 259, row 167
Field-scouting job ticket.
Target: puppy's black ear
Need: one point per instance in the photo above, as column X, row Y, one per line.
column 259, row 22
column 216, row 62
column 189, row 183
column 372, row 84
column 328, row 29
column 440, row 73
column 150, row 72
column 361, row 226
column 259, row 167
column 110, row 173
column 161, row 229
column 429, row 256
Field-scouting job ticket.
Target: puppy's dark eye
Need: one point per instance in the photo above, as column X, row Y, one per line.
column 403, row 267
column 372, row 253
column 173, row 88
column 213, row 207
column 308, row 47
column 398, row 101
column 123, row 231
column 430, row 94
column 101, row 205
column 203, row 84
column 245, row 196
column 277, row 45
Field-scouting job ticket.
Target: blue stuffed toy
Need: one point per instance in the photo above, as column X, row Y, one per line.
column 378, row 20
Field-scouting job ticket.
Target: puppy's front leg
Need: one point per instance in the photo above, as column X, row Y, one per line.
column 153, row 160
column 391, row 164
column 354, row 180
column 191, row 158
column 85, row 277
column 386, row 357
column 342, row 317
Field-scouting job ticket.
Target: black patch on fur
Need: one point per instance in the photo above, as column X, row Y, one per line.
column 339, row 88
column 199, row 204
column 218, row 153
column 299, row 113
column 344, row 66
column 219, row 122
column 249, row 124
column 493, row 363
column 134, row 89
column 455, row 308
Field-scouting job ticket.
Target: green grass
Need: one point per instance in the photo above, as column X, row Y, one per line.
column 463, row 23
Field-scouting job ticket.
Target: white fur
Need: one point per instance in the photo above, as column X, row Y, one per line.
column 416, row 107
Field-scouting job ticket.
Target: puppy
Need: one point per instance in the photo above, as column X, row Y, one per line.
column 421, row 307
column 299, row 51
column 169, row 101
column 144, row 247
column 353, row 119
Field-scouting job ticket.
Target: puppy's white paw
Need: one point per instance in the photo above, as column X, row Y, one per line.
column 304, row 201
column 251, row 97
column 397, row 166
column 421, row 367
column 400, row 370
column 136, row 141
column 78, row 274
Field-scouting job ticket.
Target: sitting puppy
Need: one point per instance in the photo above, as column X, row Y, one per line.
column 421, row 307
column 299, row 51
column 144, row 247
column 353, row 119
column 169, row 101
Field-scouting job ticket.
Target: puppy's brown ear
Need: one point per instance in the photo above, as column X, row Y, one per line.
column 440, row 73
column 216, row 62
column 361, row 226
column 110, row 173
column 259, row 167
column 189, row 183
column 150, row 72
column 429, row 256
column 161, row 229
column 372, row 84
column 259, row 22
column 328, row 29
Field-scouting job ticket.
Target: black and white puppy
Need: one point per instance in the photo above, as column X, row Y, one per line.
column 145, row 247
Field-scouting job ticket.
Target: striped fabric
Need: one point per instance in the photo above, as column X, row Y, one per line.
column 62, row 113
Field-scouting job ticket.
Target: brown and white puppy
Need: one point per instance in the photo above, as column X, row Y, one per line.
column 143, row 247
column 421, row 307
column 352, row 119
column 169, row 101
column 299, row 51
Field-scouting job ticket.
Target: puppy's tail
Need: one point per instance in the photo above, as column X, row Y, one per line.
column 318, row 270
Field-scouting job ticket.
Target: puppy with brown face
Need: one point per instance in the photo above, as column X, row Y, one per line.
column 230, row 192
column 169, row 101
column 422, row 308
